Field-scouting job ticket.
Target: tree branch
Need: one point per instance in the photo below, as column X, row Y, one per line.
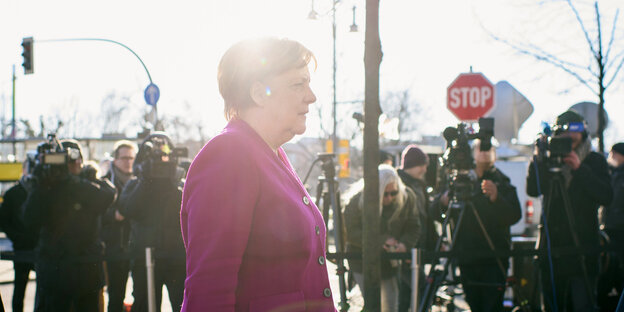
column 578, row 18
column 617, row 69
column 617, row 13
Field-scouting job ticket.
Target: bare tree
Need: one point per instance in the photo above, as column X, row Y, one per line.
column 411, row 115
column 599, row 74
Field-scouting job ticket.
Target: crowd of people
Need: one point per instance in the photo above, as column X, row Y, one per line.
column 240, row 231
column 574, row 186
column 88, row 230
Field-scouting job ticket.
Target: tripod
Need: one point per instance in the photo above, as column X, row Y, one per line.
column 436, row 277
column 330, row 199
column 557, row 184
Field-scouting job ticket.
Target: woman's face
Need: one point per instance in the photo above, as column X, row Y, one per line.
column 390, row 193
column 288, row 97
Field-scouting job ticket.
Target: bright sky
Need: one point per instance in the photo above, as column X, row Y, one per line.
column 426, row 44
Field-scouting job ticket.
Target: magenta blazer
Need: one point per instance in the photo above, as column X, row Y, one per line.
column 254, row 239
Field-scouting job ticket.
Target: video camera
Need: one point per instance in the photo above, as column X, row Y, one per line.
column 157, row 158
column 552, row 147
column 52, row 159
column 458, row 160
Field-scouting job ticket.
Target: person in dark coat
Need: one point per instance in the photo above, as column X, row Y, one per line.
column 611, row 279
column 414, row 164
column 585, row 179
column 151, row 202
column 496, row 201
column 11, row 212
column 64, row 210
column 399, row 227
column 115, row 229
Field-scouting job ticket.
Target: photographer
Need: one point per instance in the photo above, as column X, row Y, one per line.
column 152, row 204
column 496, row 202
column 116, row 230
column 585, row 179
column 64, row 209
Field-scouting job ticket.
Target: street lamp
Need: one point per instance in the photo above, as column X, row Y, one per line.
column 353, row 28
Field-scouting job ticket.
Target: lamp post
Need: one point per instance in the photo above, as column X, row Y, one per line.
column 353, row 28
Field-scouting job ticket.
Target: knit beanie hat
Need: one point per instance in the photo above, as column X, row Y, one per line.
column 618, row 148
column 568, row 117
column 413, row 156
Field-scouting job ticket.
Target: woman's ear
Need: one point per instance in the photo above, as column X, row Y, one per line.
column 258, row 93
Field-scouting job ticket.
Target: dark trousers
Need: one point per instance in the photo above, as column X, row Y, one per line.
column 166, row 272
column 56, row 302
column 484, row 287
column 571, row 292
column 117, row 272
column 611, row 278
column 22, row 270
column 405, row 286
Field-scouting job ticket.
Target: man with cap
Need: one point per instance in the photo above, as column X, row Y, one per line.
column 569, row 281
column 414, row 164
column 613, row 219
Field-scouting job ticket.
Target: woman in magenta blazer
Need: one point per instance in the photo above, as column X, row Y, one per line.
column 254, row 239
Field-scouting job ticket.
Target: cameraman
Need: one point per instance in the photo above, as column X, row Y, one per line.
column 496, row 202
column 64, row 209
column 152, row 203
column 116, row 231
column 587, row 185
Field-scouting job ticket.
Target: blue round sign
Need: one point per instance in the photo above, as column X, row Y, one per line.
column 152, row 93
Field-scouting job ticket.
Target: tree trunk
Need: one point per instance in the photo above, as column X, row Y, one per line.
column 370, row 224
column 601, row 88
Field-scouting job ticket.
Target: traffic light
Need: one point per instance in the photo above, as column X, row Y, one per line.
column 27, row 43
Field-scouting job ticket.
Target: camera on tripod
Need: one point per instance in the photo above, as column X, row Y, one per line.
column 458, row 159
column 157, row 158
column 552, row 146
column 52, row 159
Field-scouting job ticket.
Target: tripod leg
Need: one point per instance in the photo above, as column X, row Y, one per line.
column 434, row 279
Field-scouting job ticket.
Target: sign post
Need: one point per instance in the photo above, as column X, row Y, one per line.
column 470, row 96
column 152, row 94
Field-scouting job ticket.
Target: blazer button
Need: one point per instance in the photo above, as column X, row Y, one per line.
column 321, row 260
column 317, row 229
column 327, row 292
column 306, row 200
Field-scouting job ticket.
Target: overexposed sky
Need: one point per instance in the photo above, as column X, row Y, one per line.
column 426, row 44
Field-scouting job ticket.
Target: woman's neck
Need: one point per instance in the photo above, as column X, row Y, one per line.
column 265, row 129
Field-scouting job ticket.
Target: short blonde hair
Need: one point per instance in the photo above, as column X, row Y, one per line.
column 123, row 144
column 252, row 60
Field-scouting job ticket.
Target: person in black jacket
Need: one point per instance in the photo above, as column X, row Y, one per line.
column 11, row 222
column 612, row 277
column 414, row 164
column 585, row 179
column 152, row 204
column 64, row 208
column 115, row 229
column 496, row 201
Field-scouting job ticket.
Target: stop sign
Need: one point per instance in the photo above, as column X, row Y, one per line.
column 470, row 96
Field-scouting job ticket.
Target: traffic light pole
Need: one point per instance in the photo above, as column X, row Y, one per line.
column 13, row 128
column 105, row 40
column 117, row 43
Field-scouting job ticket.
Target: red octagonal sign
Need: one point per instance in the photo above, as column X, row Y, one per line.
column 470, row 96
